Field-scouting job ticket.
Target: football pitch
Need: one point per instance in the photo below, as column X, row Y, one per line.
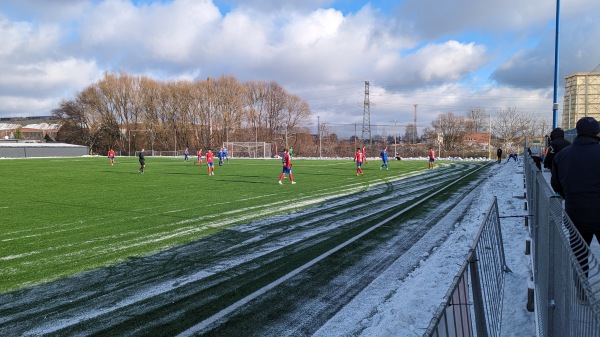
column 64, row 216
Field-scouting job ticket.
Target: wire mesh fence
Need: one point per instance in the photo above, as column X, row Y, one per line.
column 566, row 274
column 485, row 267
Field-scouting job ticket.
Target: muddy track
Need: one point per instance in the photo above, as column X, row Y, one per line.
column 275, row 277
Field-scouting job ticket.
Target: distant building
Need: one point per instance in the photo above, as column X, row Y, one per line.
column 37, row 132
column 476, row 138
column 40, row 131
column 479, row 139
column 582, row 98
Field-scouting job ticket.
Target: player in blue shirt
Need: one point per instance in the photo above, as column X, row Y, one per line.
column 220, row 154
column 384, row 158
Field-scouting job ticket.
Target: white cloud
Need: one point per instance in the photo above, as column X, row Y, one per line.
column 436, row 54
column 446, row 62
column 162, row 32
column 309, row 31
column 432, row 18
column 21, row 40
column 46, row 79
column 34, row 73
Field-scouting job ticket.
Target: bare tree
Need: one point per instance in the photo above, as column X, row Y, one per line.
column 451, row 127
column 148, row 98
column 83, row 122
column 409, row 134
column 75, row 128
column 509, row 126
column 256, row 106
column 229, row 102
column 477, row 121
column 276, row 98
column 138, row 111
column 296, row 113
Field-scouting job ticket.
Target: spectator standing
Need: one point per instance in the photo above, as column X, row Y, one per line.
column 576, row 178
column 499, row 155
column 557, row 143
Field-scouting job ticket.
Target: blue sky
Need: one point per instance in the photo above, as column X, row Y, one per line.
column 449, row 56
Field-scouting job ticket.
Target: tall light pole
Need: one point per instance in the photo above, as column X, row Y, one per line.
column 490, row 140
column 556, row 41
column 319, row 129
column 415, row 135
column 395, row 139
column 209, row 113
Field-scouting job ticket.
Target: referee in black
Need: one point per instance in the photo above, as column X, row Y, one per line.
column 142, row 161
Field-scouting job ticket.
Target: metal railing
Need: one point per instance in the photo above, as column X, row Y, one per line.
column 485, row 267
column 566, row 275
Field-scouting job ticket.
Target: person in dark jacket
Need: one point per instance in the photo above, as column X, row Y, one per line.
column 499, row 155
column 576, row 178
column 557, row 143
column 142, row 161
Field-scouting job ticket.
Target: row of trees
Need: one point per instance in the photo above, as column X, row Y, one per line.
column 125, row 112
column 509, row 128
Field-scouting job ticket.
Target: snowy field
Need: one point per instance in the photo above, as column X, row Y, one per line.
column 387, row 308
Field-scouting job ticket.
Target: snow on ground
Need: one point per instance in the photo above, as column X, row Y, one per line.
column 393, row 307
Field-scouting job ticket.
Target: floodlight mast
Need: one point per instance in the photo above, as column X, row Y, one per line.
column 556, row 43
column 366, row 125
column 319, row 129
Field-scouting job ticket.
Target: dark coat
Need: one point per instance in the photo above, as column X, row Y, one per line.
column 557, row 143
column 576, row 177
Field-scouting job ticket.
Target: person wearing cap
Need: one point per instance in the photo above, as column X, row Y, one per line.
column 576, row 178
column 557, row 143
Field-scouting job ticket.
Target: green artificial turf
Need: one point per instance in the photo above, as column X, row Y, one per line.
column 60, row 217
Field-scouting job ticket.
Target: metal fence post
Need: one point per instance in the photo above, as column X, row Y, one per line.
column 478, row 305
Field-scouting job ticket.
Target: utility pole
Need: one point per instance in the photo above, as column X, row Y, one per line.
column 415, row 134
column 395, row 139
column 490, row 140
column 209, row 113
column 366, row 126
column 355, row 141
column 319, row 128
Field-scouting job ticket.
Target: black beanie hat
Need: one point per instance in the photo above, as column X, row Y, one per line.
column 557, row 133
column 588, row 126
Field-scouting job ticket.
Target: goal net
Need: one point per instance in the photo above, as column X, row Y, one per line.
column 249, row 149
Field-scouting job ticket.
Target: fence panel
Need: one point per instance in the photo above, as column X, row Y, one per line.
column 486, row 267
column 566, row 274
